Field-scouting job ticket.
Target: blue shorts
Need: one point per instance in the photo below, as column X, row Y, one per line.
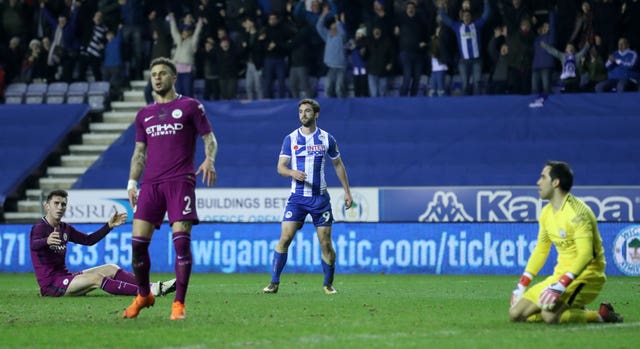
column 319, row 207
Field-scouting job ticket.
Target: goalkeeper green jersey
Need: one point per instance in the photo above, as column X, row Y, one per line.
column 574, row 231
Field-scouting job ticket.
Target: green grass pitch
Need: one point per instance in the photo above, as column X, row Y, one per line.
column 370, row 311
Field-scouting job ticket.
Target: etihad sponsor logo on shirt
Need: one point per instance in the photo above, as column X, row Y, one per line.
column 164, row 129
column 626, row 250
column 505, row 206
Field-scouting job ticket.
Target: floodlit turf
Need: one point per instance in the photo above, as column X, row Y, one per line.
column 370, row 311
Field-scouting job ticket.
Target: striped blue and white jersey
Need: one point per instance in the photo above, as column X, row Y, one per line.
column 468, row 36
column 308, row 154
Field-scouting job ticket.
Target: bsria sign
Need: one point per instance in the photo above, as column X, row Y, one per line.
column 87, row 212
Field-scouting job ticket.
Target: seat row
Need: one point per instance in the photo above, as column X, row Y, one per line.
column 94, row 93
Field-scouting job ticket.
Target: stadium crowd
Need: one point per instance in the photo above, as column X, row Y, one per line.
column 279, row 48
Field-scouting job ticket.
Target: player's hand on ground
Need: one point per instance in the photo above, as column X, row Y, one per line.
column 208, row 171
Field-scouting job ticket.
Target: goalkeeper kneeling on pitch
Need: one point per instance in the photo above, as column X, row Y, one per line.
column 578, row 277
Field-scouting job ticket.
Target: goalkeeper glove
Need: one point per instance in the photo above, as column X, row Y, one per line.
column 517, row 293
column 550, row 295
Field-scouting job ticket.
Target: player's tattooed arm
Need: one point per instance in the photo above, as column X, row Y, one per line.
column 207, row 168
column 138, row 160
column 210, row 146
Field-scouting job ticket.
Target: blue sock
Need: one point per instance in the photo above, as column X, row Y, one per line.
column 279, row 261
column 328, row 271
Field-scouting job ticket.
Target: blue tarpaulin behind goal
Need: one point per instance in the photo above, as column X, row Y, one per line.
column 452, row 141
column 28, row 134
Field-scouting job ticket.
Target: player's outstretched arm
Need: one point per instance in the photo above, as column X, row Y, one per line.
column 117, row 219
column 207, row 168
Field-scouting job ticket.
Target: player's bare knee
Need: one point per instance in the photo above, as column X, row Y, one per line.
column 550, row 317
column 95, row 279
column 518, row 314
column 284, row 243
column 110, row 270
column 515, row 315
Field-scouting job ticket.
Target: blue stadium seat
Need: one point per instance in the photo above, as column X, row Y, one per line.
column 99, row 88
column 395, row 82
column 77, row 93
column 15, row 93
column 98, row 103
column 198, row 89
column 57, row 92
column 35, row 93
column 98, row 95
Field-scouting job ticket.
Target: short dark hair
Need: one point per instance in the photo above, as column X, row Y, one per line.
column 164, row 61
column 562, row 172
column 314, row 104
column 57, row 192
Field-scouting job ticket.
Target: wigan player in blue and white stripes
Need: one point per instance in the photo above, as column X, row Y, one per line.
column 302, row 158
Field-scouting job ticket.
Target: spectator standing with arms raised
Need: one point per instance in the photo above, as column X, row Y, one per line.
column 316, row 44
column 570, row 59
column 64, row 43
column 166, row 133
column 186, row 41
column 469, row 35
column 332, row 31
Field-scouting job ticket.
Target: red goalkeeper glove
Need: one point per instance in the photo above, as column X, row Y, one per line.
column 550, row 295
column 517, row 293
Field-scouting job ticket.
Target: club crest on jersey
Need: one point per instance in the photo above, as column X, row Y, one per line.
column 562, row 233
column 176, row 114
